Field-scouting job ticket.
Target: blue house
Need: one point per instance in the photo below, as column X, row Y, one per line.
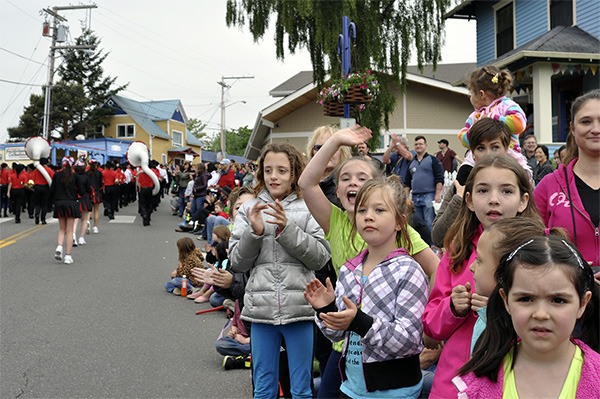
column 552, row 48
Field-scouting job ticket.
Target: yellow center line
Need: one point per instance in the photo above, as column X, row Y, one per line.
column 14, row 238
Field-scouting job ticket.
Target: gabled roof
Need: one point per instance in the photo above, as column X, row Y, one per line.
column 444, row 72
column 562, row 42
column 145, row 114
column 291, row 85
column 307, row 93
column 190, row 139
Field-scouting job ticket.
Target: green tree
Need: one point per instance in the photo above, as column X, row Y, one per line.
column 84, row 68
column 77, row 98
column 196, row 127
column 31, row 120
column 387, row 32
column 235, row 141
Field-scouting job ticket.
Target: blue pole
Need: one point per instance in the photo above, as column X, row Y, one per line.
column 344, row 44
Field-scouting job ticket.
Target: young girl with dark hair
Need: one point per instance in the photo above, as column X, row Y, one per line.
column 527, row 349
column 64, row 192
column 497, row 188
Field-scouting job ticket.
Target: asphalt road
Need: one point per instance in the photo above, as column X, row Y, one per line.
column 104, row 327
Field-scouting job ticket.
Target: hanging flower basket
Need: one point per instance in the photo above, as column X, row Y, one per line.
column 356, row 88
column 333, row 108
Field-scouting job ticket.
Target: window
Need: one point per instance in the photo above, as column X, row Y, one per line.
column 504, row 30
column 177, row 138
column 561, row 13
column 125, row 131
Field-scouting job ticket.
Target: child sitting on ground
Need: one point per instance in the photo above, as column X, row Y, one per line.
column 235, row 346
column 216, row 258
column 220, row 210
column 189, row 257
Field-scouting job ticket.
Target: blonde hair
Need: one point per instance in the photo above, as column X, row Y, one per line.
column 345, row 151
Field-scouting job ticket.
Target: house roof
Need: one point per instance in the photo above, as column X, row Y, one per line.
column 294, row 83
column 183, row 150
column 146, row 113
column 304, row 94
column 464, row 10
column 560, row 43
column 444, row 72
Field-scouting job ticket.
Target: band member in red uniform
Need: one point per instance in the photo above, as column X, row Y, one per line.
column 41, row 191
column 4, row 188
column 146, row 185
column 111, row 194
column 95, row 176
column 16, row 189
column 65, row 190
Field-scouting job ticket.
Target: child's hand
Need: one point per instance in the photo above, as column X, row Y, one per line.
column 278, row 213
column 352, row 136
column 340, row 320
column 478, row 302
column 256, row 219
column 174, row 273
column 461, row 299
column 319, row 295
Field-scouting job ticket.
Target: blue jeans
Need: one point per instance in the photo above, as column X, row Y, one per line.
column 196, row 204
column 182, row 201
column 331, row 379
column 428, row 375
column 423, row 204
column 176, row 283
column 266, row 343
column 211, row 222
column 228, row 346
column 216, row 299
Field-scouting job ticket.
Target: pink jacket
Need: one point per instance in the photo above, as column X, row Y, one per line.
column 441, row 324
column 552, row 199
column 470, row 386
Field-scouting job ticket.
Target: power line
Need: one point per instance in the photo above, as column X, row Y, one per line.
column 20, row 83
column 22, row 56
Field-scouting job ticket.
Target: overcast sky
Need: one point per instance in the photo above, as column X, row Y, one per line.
column 178, row 49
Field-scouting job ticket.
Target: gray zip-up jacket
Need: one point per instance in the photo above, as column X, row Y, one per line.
column 280, row 266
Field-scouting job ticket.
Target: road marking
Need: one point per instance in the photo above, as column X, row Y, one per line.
column 16, row 237
column 122, row 219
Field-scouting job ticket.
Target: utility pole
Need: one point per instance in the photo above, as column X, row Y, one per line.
column 223, row 87
column 53, row 47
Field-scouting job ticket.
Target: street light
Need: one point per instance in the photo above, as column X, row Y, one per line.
column 223, row 106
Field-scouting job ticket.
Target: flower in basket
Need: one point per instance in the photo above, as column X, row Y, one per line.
column 366, row 82
column 363, row 84
column 332, row 93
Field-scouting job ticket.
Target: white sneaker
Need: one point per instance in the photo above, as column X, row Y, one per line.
column 88, row 227
column 74, row 242
column 68, row 259
column 58, row 253
column 95, row 230
column 81, row 241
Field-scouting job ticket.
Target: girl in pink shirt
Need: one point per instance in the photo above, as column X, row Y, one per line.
column 497, row 188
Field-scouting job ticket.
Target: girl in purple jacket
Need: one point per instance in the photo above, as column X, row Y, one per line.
column 527, row 349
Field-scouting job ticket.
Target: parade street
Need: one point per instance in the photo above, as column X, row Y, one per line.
column 104, row 326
